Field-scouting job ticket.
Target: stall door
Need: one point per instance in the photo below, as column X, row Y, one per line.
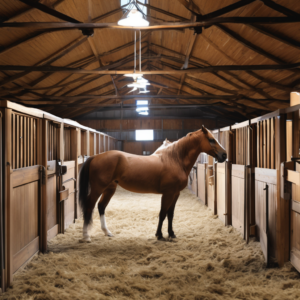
column 240, row 199
column 52, row 180
column 210, row 184
column 293, row 176
column 265, row 211
column 69, row 183
column 202, row 182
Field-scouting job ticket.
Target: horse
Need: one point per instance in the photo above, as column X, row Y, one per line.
column 164, row 172
column 165, row 144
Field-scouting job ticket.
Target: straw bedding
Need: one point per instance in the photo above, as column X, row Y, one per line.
column 206, row 261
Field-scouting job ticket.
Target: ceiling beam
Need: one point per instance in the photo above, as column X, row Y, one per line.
column 211, row 69
column 280, row 8
column 159, row 26
column 48, row 60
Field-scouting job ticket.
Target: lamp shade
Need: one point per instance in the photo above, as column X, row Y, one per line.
column 134, row 19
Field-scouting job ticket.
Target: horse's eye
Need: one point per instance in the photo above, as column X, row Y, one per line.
column 211, row 140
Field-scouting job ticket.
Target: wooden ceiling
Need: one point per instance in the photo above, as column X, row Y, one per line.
column 243, row 62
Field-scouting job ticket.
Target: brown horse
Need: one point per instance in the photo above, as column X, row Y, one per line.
column 164, row 172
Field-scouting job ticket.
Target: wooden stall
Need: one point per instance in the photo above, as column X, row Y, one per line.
column 24, row 189
column 290, row 186
column 41, row 154
column 271, row 210
column 52, row 130
column 242, row 177
column 223, row 178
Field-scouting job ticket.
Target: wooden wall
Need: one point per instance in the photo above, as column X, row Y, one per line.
column 140, row 147
column 133, row 124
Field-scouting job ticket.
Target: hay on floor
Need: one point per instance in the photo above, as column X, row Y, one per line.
column 206, row 261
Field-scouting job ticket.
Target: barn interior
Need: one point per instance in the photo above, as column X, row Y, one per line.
column 81, row 78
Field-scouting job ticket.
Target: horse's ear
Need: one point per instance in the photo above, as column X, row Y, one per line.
column 204, row 129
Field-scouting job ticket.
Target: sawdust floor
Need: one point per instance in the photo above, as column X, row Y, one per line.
column 206, row 261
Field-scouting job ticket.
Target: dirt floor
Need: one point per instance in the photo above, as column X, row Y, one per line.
column 206, row 261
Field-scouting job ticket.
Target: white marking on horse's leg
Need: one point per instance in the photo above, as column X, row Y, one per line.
column 85, row 235
column 104, row 227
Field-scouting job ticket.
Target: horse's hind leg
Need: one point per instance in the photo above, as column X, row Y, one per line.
column 87, row 214
column 105, row 198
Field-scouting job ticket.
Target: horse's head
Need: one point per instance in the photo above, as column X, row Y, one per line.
column 212, row 147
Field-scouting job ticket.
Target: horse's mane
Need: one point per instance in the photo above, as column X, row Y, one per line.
column 175, row 151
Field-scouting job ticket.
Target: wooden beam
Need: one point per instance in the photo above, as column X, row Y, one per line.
column 191, row 6
column 280, row 8
column 49, row 60
column 277, row 36
column 249, row 45
column 211, row 69
column 159, row 26
column 226, row 9
column 49, row 11
column 255, row 75
column 193, row 59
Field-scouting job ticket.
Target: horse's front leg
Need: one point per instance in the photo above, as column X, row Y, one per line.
column 166, row 203
column 170, row 217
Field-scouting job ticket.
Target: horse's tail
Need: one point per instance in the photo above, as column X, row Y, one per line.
column 84, row 189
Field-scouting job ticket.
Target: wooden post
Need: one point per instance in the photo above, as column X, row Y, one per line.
column 2, row 259
column 44, row 186
column 7, row 196
column 215, row 168
column 61, row 210
column 282, row 209
column 74, row 156
column 228, row 206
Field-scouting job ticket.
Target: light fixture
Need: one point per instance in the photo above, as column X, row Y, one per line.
column 133, row 18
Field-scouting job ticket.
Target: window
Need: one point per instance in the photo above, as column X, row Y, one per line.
column 144, row 135
column 142, row 107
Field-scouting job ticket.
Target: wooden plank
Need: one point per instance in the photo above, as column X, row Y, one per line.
column 241, row 125
column 266, row 175
column 26, row 253
column 21, row 142
column 17, row 141
column 52, row 232
column 295, row 206
column 228, row 199
column 13, row 145
column 268, row 141
column 202, row 183
column 272, row 150
column 8, row 197
column 44, row 200
column 237, row 188
column 27, row 142
column 238, row 171
column 25, row 175
column 293, row 177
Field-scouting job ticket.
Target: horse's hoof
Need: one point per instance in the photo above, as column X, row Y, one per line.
column 172, row 236
column 161, row 238
column 85, row 240
column 109, row 234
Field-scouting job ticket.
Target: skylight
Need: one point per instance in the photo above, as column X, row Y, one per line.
column 142, row 107
column 144, row 135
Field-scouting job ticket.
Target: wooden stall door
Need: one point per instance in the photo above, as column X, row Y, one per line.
column 220, row 191
column 210, row 185
column 202, row 183
column 293, row 177
column 52, row 184
column 25, row 207
column 238, row 200
column 69, row 183
column 265, row 211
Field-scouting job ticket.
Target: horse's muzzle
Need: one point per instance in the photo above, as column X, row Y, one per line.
column 222, row 157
